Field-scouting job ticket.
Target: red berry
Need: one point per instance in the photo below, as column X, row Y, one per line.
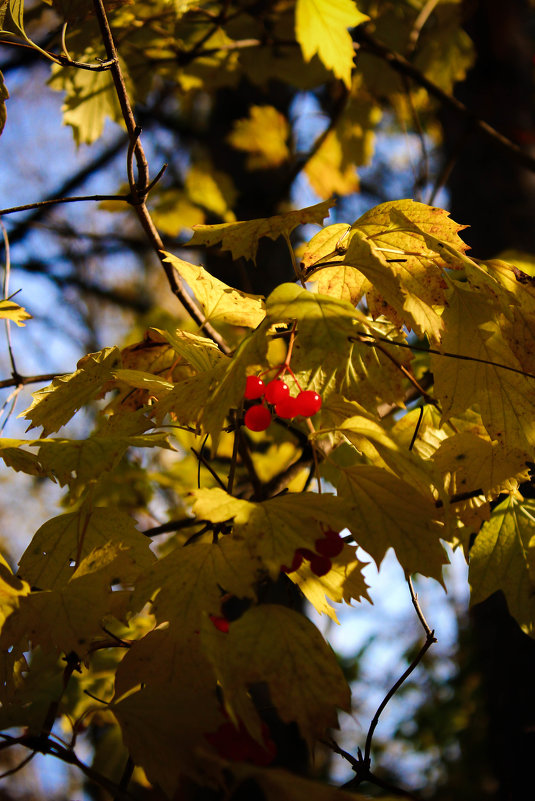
column 330, row 547
column 220, row 623
column 257, row 418
column 276, row 391
column 308, row 403
column 297, row 561
column 287, row 408
column 254, row 388
column 320, row 565
column 306, row 553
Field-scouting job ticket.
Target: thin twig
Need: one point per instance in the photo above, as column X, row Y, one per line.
column 29, row 379
column 54, row 202
column 141, row 185
column 400, row 64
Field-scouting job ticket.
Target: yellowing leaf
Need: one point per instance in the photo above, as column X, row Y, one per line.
column 263, row 135
column 321, row 27
column 281, row 785
column 472, row 331
column 269, row 528
column 383, row 511
column 188, row 583
column 172, row 755
column 473, row 463
column 241, row 238
column 503, row 558
column 68, row 618
column 63, row 542
column 277, row 646
column 211, row 189
column 220, row 302
column 8, row 309
column 343, row 582
column 173, row 211
column 54, row 405
column 12, row 588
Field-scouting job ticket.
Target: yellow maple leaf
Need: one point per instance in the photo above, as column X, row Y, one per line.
column 321, row 27
column 503, row 558
column 241, row 238
column 12, row 588
column 59, row 544
column 263, row 135
column 220, row 302
column 282, row 648
column 54, row 405
column 12, row 311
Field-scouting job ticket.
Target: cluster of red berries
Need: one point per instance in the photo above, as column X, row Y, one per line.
column 277, row 394
column 328, row 546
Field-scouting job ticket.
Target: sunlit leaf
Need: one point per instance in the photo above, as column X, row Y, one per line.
column 321, row 27
column 263, row 135
column 8, row 309
column 220, row 302
column 241, row 238
column 54, row 405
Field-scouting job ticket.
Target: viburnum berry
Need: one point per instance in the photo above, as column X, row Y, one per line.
column 331, row 544
column 220, row 623
column 297, row 561
column 276, row 391
column 320, row 565
column 254, row 388
column 238, row 745
column 308, row 403
column 257, row 418
column 287, row 408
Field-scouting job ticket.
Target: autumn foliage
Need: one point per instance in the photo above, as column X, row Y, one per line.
column 182, row 643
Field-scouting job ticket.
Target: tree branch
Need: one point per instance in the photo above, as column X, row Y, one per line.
column 140, row 187
column 400, row 64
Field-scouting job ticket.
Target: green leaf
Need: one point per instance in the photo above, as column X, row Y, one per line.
column 503, row 558
column 58, row 547
column 219, row 302
column 321, row 27
column 241, row 238
column 54, row 405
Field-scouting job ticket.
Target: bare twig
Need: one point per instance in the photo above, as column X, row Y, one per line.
column 400, row 64
column 140, row 187
column 56, row 200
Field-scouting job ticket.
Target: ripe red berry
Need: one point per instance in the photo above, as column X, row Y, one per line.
column 257, row 418
column 220, row 623
column 276, row 391
column 330, row 547
column 287, row 408
column 308, row 403
column 297, row 561
column 306, row 553
column 320, row 565
column 254, row 388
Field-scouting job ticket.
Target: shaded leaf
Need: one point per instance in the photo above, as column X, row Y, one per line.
column 503, row 558
column 282, row 648
column 62, row 543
